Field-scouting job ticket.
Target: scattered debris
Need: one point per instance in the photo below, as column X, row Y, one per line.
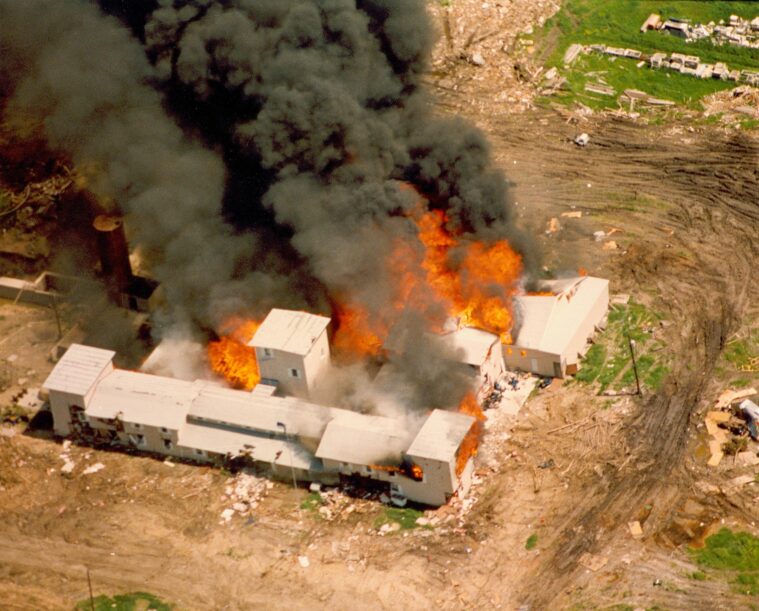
column 728, row 396
column 553, row 226
column 600, row 89
column 575, row 214
column 599, row 235
column 582, row 140
column 635, row 529
column 610, row 245
column 477, row 59
column 304, row 562
column 98, row 466
column 750, row 411
column 594, row 562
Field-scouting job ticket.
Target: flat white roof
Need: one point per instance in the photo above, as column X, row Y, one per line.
column 548, row 322
column 367, row 440
column 143, row 398
column 259, row 412
column 289, row 331
column 278, row 451
column 441, row 435
column 475, row 344
column 78, row 369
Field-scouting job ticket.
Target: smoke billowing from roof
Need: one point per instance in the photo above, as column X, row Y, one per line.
column 299, row 121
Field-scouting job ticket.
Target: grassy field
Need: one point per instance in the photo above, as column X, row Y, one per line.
column 618, row 24
column 136, row 601
column 608, row 361
column 735, row 555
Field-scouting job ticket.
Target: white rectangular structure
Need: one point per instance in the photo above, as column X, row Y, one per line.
column 292, row 350
column 554, row 330
column 72, row 383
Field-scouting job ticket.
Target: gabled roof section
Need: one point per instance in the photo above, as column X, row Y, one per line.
column 366, row 440
column 79, row 369
column 289, row 331
column 548, row 323
column 441, row 435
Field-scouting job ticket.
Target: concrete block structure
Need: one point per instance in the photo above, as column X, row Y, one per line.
column 292, row 350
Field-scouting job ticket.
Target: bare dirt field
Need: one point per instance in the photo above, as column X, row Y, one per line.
column 685, row 203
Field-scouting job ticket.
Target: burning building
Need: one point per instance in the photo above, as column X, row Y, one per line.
column 205, row 422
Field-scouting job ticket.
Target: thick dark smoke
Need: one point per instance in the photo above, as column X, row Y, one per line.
column 85, row 79
column 317, row 115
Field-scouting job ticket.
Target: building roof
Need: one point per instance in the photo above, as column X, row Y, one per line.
column 475, row 344
column 289, row 331
column 78, row 369
column 279, row 451
column 259, row 412
column 548, row 323
column 363, row 440
column 143, row 398
column 441, row 435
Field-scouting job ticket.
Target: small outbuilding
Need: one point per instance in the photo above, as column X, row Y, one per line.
column 555, row 326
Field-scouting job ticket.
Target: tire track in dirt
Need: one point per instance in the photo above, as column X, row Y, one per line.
column 714, row 184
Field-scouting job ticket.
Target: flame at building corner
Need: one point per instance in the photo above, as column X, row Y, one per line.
column 231, row 358
column 471, row 442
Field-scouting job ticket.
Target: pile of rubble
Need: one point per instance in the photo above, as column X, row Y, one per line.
column 483, row 47
column 741, row 100
column 737, row 31
column 733, row 428
column 245, row 491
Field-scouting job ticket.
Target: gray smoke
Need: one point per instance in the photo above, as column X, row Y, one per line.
column 85, row 80
column 316, row 110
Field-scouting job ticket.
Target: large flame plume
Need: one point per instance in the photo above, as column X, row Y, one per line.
column 231, row 358
column 471, row 443
column 443, row 277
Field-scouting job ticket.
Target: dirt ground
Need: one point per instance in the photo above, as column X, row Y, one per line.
column 686, row 203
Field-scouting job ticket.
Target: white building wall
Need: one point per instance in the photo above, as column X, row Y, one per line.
column 61, row 403
column 280, row 367
column 579, row 345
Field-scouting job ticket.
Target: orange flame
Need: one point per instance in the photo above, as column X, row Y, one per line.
column 478, row 291
column 441, row 277
column 231, row 358
column 471, row 442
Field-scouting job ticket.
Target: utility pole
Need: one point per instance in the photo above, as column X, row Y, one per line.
column 631, row 344
column 89, row 585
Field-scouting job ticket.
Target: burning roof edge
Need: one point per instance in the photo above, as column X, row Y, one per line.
column 441, row 435
column 289, row 331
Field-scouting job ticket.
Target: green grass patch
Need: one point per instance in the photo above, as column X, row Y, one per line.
column 747, row 583
column 740, row 352
column 531, row 542
column 312, row 502
column 608, row 361
column 730, row 551
column 135, row 601
column 697, row 576
column 592, row 364
column 405, row 516
column 618, row 24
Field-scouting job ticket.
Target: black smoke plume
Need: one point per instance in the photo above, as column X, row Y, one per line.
column 278, row 178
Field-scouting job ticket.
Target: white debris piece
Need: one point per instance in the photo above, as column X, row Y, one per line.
column 226, row 515
column 98, row 466
column 582, row 140
column 304, row 562
column 599, row 235
column 477, row 59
